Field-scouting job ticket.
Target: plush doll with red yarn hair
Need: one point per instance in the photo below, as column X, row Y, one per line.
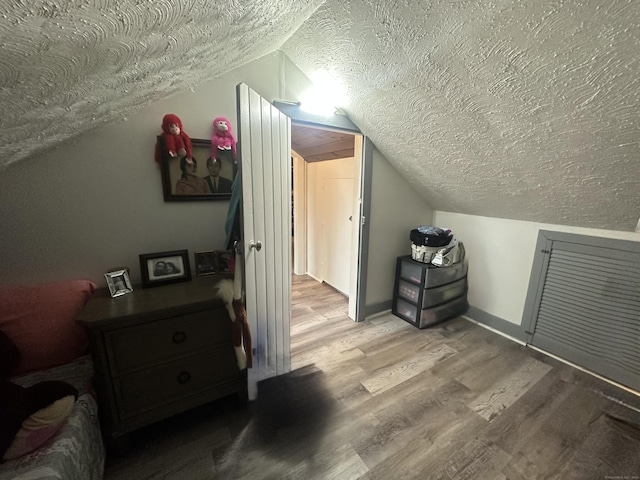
column 176, row 141
column 222, row 139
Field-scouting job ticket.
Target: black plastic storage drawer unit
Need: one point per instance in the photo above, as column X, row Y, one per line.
column 425, row 294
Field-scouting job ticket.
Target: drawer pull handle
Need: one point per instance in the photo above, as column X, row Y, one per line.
column 183, row 377
column 179, row 337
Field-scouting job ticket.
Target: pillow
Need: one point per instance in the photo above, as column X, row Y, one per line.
column 40, row 320
column 40, row 427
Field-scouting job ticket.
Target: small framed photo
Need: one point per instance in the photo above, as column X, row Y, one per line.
column 164, row 267
column 205, row 178
column 205, row 262
column 118, row 282
column 223, row 258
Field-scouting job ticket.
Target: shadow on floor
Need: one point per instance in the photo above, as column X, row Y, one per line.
column 226, row 439
column 286, row 425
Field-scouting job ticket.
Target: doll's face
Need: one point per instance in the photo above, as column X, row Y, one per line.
column 222, row 126
column 174, row 129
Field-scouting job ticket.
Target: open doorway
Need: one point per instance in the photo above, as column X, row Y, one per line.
column 327, row 168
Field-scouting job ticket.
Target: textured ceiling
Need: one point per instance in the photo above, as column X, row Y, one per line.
column 516, row 109
column 69, row 65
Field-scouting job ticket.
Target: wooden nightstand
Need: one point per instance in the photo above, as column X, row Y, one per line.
column 160, row 351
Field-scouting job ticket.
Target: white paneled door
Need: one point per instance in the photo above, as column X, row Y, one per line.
column 337, row 226
column 264, row 142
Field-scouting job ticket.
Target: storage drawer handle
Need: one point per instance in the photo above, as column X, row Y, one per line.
column 179, row 337
column 183, row 377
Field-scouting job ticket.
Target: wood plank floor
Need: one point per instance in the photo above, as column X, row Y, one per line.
column 384, row 400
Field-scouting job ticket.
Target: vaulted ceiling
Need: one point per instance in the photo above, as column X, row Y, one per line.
column 509, row 108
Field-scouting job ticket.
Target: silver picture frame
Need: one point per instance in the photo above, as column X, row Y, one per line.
column 118, row 282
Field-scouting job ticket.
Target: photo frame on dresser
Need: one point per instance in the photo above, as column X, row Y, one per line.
column 223, row 261
column 118, row 282
column 205, row 262
column 162, row 268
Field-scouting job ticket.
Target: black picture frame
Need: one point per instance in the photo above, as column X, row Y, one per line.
column 177, row 189
column 205, row 262
column 162, row 268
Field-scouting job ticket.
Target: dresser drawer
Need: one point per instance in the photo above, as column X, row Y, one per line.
column 174, row 382
column 133, row 347
column 431, row 296
column 425, row 317
column 406, row 310
column 429, row 276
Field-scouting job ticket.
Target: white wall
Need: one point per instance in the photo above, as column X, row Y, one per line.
column 500, row 254
column 395, row 209
column 95, row 202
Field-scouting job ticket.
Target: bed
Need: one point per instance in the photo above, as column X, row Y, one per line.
column 41, row 322
column 77, row 451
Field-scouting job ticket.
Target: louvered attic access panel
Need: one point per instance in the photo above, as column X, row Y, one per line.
column 583, row 303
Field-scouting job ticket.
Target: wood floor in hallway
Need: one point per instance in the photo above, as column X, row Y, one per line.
column 383, row 400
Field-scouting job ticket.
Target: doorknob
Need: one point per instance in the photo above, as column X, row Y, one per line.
column 257, row 245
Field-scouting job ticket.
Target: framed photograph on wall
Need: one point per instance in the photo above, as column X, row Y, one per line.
column 205, row 262
column 205, row 178
column 164, row 267
column 118, row 282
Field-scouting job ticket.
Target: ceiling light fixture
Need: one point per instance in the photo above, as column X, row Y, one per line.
column 325, row 95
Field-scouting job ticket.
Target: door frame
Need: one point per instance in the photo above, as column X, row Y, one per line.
column 299, row 174
column 343, row 123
